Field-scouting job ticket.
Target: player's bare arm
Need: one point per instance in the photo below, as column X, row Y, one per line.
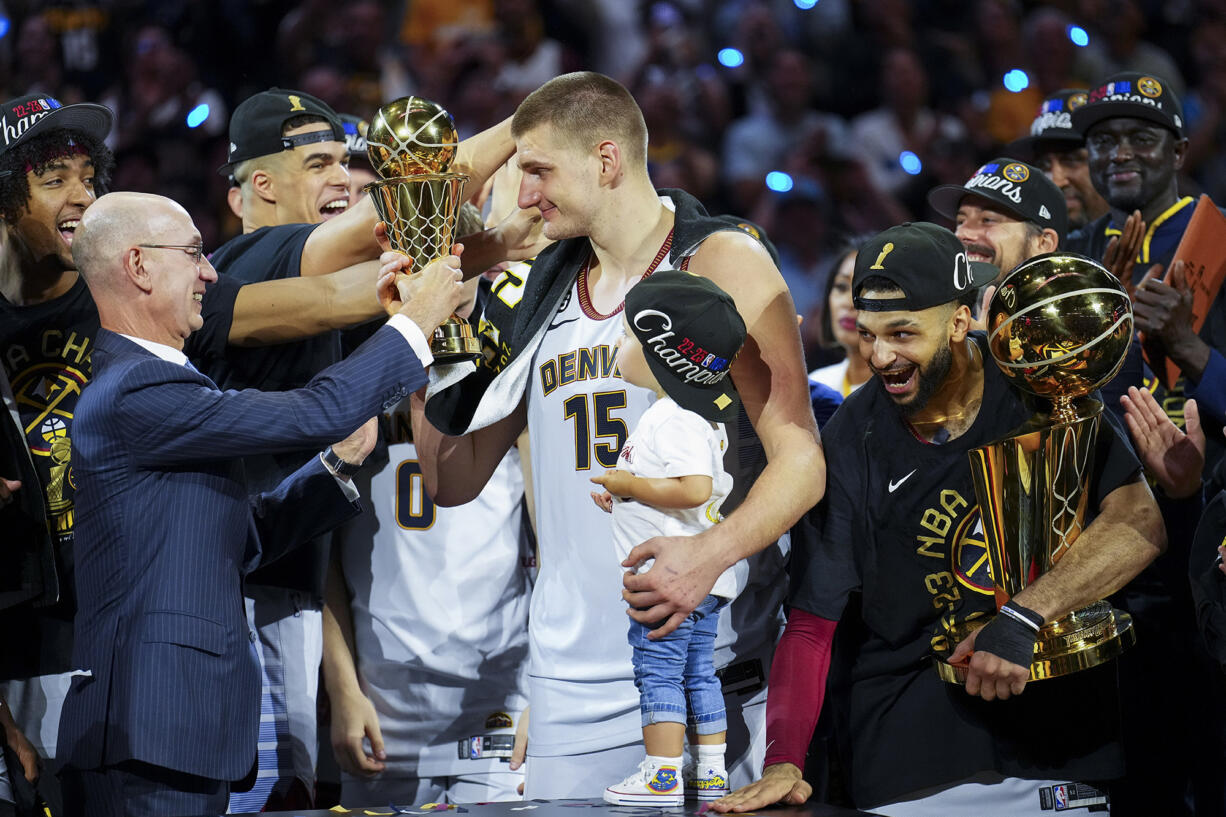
column 1126, row 536
column 353, row 715
column 345, row 240
column 771, row 378
column 290, row 309
column 455, row 469
column 517, row 237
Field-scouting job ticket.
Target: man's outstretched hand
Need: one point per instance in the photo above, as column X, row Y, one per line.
column 780, row 783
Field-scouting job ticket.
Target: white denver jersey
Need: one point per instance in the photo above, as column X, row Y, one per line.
column 440, row 608
column 581, row 678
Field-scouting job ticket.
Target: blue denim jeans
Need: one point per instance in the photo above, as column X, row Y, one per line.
column 680, row 668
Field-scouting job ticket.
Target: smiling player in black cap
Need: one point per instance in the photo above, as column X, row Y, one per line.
column 1005, row 213
column 1059, row 150
column 900, row 526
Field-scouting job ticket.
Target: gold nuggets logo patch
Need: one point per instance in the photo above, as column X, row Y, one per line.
column 1150, row 87
column 1076, row 101
column 970, row 556
column 498, row 720
column 1016, row 172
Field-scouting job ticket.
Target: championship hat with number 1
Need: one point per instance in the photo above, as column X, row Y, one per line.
column 927, row 262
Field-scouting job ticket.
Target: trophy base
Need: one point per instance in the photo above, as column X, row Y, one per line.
column 454, row 342
column 1084, row 638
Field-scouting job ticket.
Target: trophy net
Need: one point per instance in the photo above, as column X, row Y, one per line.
column 420, row 212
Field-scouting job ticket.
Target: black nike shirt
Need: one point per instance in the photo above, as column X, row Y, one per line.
column 900, row 527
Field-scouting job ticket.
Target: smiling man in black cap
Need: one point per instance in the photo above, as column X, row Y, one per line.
column 1059, row 150
column 1007, row 212
column 900, row 526
column 1134, row 131
column 1133, row 128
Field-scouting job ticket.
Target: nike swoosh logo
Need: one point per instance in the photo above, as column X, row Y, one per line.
column 561, row 323
column 894, row 485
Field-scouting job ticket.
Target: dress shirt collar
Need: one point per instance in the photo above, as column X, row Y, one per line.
column 160, row 349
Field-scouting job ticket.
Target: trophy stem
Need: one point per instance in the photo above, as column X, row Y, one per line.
column 454, row 342
column 1033, row 491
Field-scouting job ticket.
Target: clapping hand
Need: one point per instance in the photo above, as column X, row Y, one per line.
column 1172, row 457
column 1121, row 253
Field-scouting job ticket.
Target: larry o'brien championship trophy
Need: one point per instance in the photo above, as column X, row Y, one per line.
column 411, row 143
column 1059, row 327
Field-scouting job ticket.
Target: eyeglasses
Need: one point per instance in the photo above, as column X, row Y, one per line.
column 196, row 251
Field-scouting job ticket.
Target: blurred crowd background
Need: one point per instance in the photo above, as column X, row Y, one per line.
column 814, row 118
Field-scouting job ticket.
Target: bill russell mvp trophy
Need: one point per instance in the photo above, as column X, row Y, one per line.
column 1059, row 327
column 411, row 143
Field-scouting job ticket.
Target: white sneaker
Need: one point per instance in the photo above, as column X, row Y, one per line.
column 651, row 785
column 706, row 783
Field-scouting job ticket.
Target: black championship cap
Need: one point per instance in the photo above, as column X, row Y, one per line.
column 1017, row 187
column 1128, row 93
column 690, row 332
column 1053, row 124
column 27, row 116
column 928, row 263
column 255, row 126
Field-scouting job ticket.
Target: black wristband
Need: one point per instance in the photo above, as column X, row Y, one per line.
column 337, row 465
column 1011, row 637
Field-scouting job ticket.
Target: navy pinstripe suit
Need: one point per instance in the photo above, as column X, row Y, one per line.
column 166, row 531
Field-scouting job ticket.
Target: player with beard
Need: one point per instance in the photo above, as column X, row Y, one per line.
column 1057, row 149
column 1005, row 213
column 899, row 527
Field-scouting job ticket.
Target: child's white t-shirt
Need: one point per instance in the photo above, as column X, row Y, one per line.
column 670, row 441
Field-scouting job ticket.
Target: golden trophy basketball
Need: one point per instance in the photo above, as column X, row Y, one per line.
column 1059, row 327
column 411, row 143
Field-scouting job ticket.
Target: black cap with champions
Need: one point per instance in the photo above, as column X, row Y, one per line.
column 25, row 117
column 1131, row 94
column 1015, row 187
column 690, row 332
column 927, row 262
column 1053, row 124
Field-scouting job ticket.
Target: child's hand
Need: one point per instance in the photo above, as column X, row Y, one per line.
column 615, row 481
column 603, row 500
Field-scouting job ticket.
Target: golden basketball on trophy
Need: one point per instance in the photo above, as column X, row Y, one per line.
column 411, row 144
column 1059, row 326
